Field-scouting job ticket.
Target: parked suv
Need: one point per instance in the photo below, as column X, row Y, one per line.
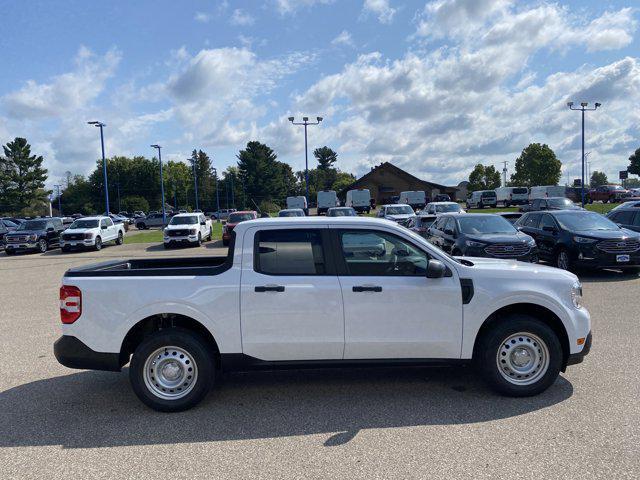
column 551, row 203
column 608, row 193
column 38, row 234
column 435, row 208
column 627, row 217
column 234, row 219
column 151, row 220
column 482, row 198
column 398, row 213
column 581, row 239
column 3, row 232
column 482, row 235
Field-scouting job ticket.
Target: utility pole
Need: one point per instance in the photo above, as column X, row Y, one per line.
column 233, row 200
column 583, row 108
column 164, row 213
column 59, row 200
column 118, row 189
column 101, row 125
column 195, row 178
column 305, row 122
column 504, row 173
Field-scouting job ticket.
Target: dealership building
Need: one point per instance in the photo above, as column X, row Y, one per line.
column 386, row 181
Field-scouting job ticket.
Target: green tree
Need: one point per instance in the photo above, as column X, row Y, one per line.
column 132, row 203
column 598, row 178
column 205, row 178
column 78, row 196
column 537, row 165
column 326, row 157
column 484, row 178
column 634, row 163
column 178, row 184
column 22, row 178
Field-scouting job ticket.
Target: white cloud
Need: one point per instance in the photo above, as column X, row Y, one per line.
column 202, row 17
column 291, row 6
column 241, row 18
column 344, row 38
column 67, row 92
column 381, row 9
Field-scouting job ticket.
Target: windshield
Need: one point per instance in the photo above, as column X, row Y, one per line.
column 190, row 220
column 617, row 187
column 485, row 224
column 291, row 213
column 399, row 210
column 560, row 202
column 342, row 212
column 84, row 224
column 488, row 194
column 240, row 217
column 448, row 207
column 583, row 221
column 520, row 191
column 33, row 225
column 425, row 222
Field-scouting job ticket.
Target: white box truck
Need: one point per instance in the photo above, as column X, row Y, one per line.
column 359, row 200
column 327, row 199
column 507, row 196
column 416, row 199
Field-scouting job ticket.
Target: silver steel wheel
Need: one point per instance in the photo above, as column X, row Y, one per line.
column 170, row 373
column 563, row 260
column 42, row 245
column 523, row 358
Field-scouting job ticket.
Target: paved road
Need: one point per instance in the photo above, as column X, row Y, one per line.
column 411, row 423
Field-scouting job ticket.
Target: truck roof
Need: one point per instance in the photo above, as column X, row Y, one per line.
column 298, row 222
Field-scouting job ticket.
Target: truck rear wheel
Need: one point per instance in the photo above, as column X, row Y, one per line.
column 172, row 370
column 520, row 357
column 120, row 239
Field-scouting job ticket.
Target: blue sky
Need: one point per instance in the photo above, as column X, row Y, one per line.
column 432, row 86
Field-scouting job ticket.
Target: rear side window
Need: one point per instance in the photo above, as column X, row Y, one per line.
column 289, row 252
column 520, row 191
column 625, row 218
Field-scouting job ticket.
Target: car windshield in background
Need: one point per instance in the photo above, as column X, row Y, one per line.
column 240, row 217
column 342, row 212
column 484, row 224
column 583, row 221
column 291, row 213
column 488, row 194
column 425, row 222
column 451, row 207
column 520, row 191
column 84, row 224
column 400, row 210
column 33, row 225
column 190, row 220
column 560, row 202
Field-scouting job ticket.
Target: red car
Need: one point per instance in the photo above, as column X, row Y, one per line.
column 608, row 193
column 234, row 219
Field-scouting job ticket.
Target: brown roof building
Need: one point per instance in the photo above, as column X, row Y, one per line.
column 386, row 181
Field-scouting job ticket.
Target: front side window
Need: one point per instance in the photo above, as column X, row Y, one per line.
column 289, row 252
column 584, row 221
column 547, row 222
column 624, row 218
column 376, row 253
column 531, row 221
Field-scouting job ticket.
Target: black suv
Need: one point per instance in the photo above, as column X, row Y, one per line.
column 481, row 235
column 627, row 217
column 3, row 232
column 550, row 203
column 38, row 234
column 581, row 239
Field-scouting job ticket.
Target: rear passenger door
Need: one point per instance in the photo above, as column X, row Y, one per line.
column 291, row 303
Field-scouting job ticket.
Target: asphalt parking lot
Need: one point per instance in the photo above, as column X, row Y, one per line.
column 390, row 423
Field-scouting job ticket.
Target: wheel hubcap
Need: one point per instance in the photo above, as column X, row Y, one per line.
column 170, row 373
column 563, row 260
column 523, row 358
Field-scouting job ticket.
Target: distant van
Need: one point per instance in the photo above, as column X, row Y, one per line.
column 507, row 196
column 416, row 199
column 359, row 200
column 298, row 202
column 548, row 191
column 482, row 198
column 327, row 199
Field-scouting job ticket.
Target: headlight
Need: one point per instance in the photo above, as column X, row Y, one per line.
column 33, row 238
column 576, row 294
column 471, row 243
column 530, row 241
column 583, row 240
column 193, row 231
column 88, row 236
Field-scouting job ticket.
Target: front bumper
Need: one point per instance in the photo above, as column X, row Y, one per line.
column 531, row 257
column 72, row 353
column 88, row 242
column 180, row 240
column 21, row 246
column 591, row 256
column 576, row 358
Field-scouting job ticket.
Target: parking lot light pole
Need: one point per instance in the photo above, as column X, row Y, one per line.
column 59, row 200
column 306, row 122
column 195, row 179
column 583, row 108
column 101, row 125
column 164, row 213
column 215, row 174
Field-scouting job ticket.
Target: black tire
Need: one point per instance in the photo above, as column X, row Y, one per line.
column 562, row 259
column 480, row 205
column 141, row 226
column 199, row 239
column 225, row 243
column 65, row 249
column 524, row 332
column 120, row 239
column 203, row 365
column 166, row 246
column 98, row 245
column 43, row 245
column 10, row 252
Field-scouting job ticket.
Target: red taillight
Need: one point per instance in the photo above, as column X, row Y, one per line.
column 70, row 303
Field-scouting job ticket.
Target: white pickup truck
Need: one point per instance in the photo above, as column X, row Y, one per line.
column 293, row 293
column 91, row 232
column 187, row 229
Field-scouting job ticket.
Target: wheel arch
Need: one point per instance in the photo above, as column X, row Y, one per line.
column 534, row 310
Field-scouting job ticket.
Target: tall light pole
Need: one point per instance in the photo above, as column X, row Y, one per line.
column 306, row 122
column 59, row 200
column 583, row 108
column 504, row 173
column 195, row 178
column 164, row 214
column 215, row 174
column 101, row 125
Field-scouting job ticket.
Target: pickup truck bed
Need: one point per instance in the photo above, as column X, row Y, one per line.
column 148, row 267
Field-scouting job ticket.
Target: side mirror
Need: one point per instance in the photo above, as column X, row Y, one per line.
column 448, row 231
column 104, row 227
column 436, row 269
column 203, row 223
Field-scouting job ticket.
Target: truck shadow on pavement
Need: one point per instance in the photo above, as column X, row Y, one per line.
column 99, row 409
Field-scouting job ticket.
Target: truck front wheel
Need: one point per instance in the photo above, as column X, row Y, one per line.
column 172, row 370
column 120, row 239
column 520, row 357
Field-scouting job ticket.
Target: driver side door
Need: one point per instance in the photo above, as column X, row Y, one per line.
column 391, row 309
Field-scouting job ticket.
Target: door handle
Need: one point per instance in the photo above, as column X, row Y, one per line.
column 269, row 288
column 362, row 288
